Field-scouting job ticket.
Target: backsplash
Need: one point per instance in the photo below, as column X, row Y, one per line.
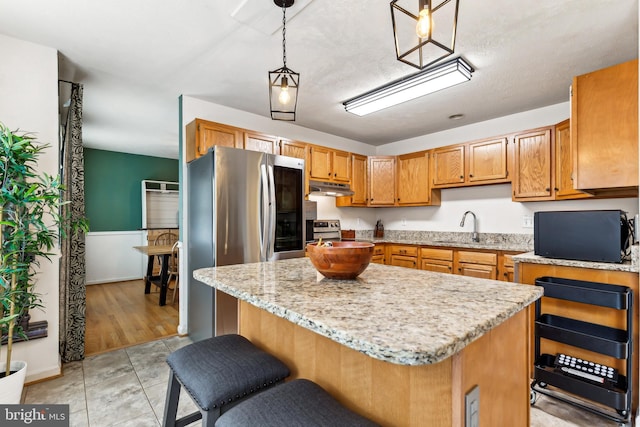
column 523, row 241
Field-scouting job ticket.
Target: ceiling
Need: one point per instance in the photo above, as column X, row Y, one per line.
column 136, row 57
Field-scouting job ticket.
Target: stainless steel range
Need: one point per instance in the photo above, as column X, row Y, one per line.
column 328, row 229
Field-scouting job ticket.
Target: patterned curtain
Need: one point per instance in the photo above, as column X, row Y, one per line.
column 72, row 264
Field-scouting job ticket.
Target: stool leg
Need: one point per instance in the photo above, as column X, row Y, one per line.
column 171, row 401
column 209, row 417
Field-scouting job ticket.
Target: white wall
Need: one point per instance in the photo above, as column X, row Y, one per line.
column 29, row 101
column 110, row 256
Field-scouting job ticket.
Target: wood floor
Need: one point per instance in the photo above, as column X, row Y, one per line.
column 120, row 315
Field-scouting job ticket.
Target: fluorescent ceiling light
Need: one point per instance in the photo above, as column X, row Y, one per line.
column 414, row 86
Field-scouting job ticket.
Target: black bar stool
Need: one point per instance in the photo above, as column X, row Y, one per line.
column 218, row 373
column 296, row 403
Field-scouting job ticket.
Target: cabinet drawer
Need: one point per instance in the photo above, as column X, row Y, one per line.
column 378, row 259
column 378, row 250
column 404, row 261
column 508, row 260
column 437, row 265
column 404, row 250
column 486, row 258
column 432, row 253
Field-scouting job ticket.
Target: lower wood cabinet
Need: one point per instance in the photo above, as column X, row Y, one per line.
column 477, row 264
column 403, row 255
column 378, row 254
column 438, row 260
column 506, row 267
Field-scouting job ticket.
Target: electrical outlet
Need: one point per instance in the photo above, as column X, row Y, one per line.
column 472, row 408
column 527, row 221
column 358, row 222
column 404, row 222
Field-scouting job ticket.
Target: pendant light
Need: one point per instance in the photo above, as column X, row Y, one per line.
column 283, row 82
column 424, row 39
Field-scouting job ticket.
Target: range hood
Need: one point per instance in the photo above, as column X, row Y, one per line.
column 333, row 189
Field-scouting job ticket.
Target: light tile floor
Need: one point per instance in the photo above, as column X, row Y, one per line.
column 127, row 388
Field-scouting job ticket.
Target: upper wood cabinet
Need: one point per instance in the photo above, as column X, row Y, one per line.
column 382, row 172
column 260, row 142
column 358, row 183
column 413, row 179
column 564, row 188
column 292, row 148
column 472, row 163
column 201, row 135
column 327, row 164
column 448, row 166
column 487, row 161
column 604, row 128
column 533, row 169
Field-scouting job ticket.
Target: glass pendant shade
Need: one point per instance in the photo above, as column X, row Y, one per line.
column 424, row 38
column 283, row 93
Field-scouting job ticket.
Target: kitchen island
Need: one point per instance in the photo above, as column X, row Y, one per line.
column 400, row 346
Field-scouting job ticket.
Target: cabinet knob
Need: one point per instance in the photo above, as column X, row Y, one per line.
column 449, row 267
column 461, row 176
column 555, row 189
column 547, row 189
column 329, row 173
column 470, row 175
column 335, row 174
column 459, row 268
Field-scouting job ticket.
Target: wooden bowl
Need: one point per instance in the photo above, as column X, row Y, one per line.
column 343, row 260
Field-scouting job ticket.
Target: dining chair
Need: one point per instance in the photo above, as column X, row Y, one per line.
column 174, row 270
column 165, row 238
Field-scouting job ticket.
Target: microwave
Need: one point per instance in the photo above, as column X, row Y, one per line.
column 598, row 235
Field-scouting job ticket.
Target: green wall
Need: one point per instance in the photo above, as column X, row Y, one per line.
column 112, row 187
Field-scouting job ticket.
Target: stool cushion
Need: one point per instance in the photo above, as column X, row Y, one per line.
column 219, row 370
column 299, row 402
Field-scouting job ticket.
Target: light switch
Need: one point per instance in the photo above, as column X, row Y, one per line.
column 527, row 221
column 472, row 407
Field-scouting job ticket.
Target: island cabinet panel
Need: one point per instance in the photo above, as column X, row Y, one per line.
column 529, row 272
column 487, row 161
column 382, row 173
column 564, row 164
column 477, row 264
column 533, row 170
column 604, row 128
column 438, row 260
column 403, row 395
column 413, row 179
column 256, row 141
column 448, row 166
column 201, row 135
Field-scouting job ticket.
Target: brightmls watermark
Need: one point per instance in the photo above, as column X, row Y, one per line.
column 34, row 415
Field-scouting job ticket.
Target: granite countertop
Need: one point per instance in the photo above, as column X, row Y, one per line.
column 395, row 314
column 630, row 265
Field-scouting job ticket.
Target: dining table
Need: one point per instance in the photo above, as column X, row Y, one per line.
column 162, row 280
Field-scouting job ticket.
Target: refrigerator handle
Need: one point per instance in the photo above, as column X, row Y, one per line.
column 272, row 213
column 264, row 223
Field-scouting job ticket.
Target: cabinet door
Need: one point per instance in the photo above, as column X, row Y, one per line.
column 437, row 265
column 448, row 165
column 359, row 180
column 293, row 148
column 341, row 166
column 478, row 270
column 487, row 160
column 260, row 142
column 564, row 164
column 320, row 163
column 377, row 259
column 413, row 179
column 506, row 269
column 533, row 178
column 201, row 135
column 404, row 261
column 382, row 172
column 604, row 127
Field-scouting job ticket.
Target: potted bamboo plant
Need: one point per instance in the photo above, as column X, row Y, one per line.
column 30, row 225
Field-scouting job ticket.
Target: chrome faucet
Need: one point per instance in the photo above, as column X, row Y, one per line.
column 474, row 235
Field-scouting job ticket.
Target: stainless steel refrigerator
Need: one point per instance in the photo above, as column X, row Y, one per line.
column 243, row 206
